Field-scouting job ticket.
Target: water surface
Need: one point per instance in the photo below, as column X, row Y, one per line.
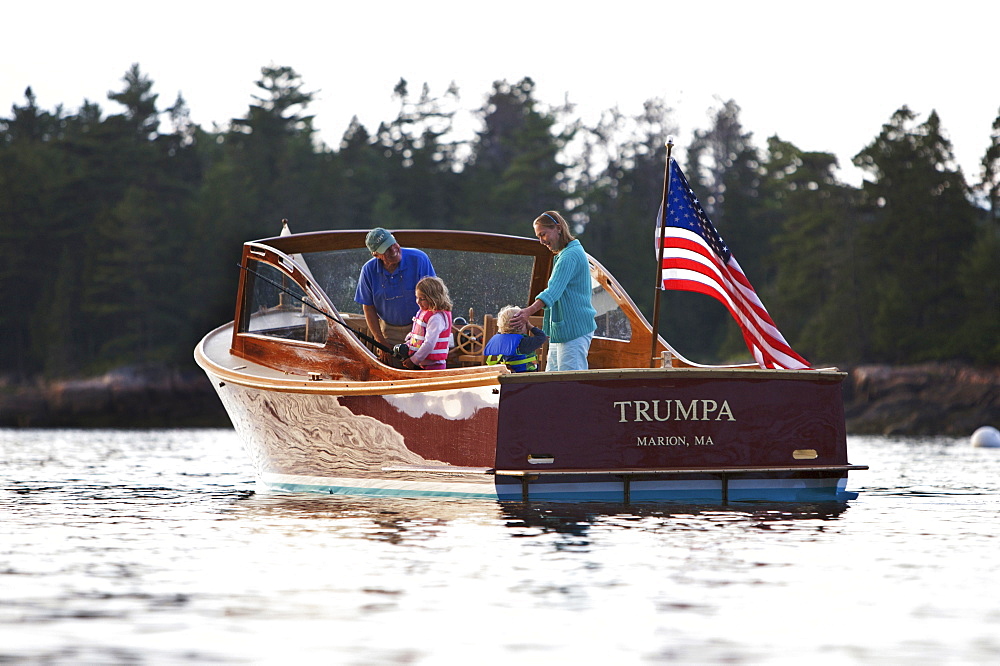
column 154, row 547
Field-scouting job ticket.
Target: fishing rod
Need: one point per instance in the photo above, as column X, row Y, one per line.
column 400, row 354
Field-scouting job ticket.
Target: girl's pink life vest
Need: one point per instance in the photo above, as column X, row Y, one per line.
column 437, row 359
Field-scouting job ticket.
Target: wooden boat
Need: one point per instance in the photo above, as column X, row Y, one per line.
column 319, row 412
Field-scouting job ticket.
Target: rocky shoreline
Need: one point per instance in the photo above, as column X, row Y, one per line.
column 931, row 399
column 129, row 397
column 928, row 399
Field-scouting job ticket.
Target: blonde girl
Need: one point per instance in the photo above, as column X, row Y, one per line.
column 430, row 336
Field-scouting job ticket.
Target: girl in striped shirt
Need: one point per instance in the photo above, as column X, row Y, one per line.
column 430, row 336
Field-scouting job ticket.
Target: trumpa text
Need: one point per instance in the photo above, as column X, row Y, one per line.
column 673, row 410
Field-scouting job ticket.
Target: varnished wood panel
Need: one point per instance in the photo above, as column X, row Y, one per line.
column 670, row 419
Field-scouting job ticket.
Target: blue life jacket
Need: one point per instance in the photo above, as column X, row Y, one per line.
column 502, row 348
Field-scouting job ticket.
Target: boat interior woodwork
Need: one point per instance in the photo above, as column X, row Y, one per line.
column 335, row 349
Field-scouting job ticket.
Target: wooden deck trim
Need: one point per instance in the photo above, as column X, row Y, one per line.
column 342, row 388
column 831, row 375
column 439, row 469
column 243, row 372
column 354, row 239
column 632, row 471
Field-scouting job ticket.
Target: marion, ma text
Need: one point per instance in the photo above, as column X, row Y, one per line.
column 673, row 410
column 675, row 440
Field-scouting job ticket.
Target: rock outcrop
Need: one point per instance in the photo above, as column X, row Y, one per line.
column 927, row 399
column 129, row 397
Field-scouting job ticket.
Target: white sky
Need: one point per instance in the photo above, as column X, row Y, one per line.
column 824, row 76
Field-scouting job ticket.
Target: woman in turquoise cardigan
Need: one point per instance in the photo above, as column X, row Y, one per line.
column 569, row 315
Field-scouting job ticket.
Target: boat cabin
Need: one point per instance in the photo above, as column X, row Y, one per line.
column 295, row 307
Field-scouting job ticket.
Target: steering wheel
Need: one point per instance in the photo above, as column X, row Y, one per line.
column 469, row 339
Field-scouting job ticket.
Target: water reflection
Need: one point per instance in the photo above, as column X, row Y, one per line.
column 541, row 514
column 583, row 524
column 557, row 527
column 392, row 518
column 131, row 547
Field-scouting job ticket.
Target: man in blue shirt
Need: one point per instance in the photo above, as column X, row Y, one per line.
column 387, row 287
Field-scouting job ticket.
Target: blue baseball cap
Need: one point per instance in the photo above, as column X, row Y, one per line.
column 379, row 240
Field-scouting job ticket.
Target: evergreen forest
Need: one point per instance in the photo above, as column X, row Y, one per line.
column 121, row 227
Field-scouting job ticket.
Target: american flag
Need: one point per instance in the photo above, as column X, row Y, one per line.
column 695, row 258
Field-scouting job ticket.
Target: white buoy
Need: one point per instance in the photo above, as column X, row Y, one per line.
column 986, row 437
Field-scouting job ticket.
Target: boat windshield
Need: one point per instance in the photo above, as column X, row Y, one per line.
column 479, row 283
column 277, row 307
column 612, row 323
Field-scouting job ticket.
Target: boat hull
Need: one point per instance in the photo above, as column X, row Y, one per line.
column 596, row 436
column 326, row 442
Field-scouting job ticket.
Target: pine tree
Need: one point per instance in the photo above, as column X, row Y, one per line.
column 815, row 295
column 921, row 223
column 421, row 165
column 35, row 225
column 623, row 186
column 979, row 336
column 725, row 166
column 990, row 182
column 134, row 263
column 513, row 174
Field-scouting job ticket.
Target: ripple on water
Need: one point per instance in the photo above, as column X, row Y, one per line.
column 153, row 546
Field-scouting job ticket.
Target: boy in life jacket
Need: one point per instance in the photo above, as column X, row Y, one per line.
column 430, row 337
column 515, row 345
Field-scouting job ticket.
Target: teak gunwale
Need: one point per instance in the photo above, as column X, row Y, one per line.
column 254, row 375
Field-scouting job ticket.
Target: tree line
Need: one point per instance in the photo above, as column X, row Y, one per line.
column 119, row 232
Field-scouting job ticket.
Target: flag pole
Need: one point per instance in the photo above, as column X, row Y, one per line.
column 660, row 228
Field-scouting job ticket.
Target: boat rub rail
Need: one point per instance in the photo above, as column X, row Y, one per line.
column 631, row 471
